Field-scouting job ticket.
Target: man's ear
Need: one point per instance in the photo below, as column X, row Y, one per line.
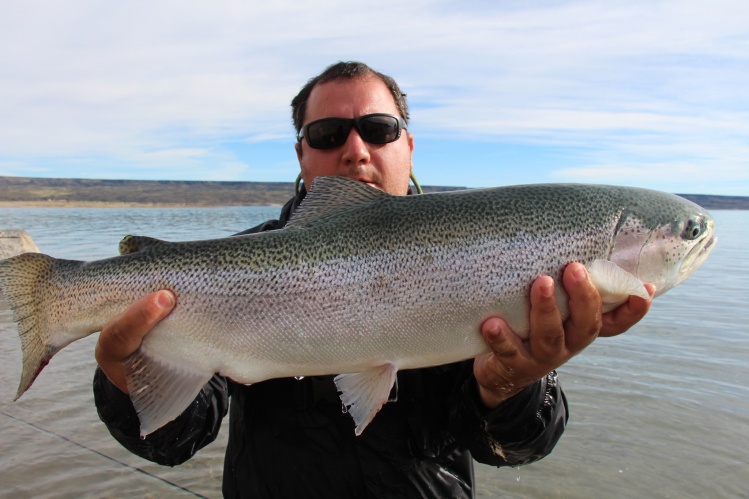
column 298, row 149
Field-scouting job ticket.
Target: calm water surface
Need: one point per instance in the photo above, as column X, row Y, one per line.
column 662, row 411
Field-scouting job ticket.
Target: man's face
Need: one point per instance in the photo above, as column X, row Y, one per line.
column 384, row 166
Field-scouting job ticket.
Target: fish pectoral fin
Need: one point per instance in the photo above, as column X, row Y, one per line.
column 161, row 389
column 614, row 284
column 364, row 393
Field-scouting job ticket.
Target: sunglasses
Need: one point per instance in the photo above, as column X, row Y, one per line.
column 329, row 133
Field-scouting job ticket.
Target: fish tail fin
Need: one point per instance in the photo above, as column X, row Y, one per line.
column 21, row 283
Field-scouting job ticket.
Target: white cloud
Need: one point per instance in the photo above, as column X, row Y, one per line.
column 119, row 81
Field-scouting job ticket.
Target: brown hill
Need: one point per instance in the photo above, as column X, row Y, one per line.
column 149, row 192
column 48, row 191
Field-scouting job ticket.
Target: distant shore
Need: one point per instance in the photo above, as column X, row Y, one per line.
column 28, row 192
column 95, row 193
column 56, row 203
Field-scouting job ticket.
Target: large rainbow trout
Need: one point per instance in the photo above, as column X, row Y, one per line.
column 359, row 282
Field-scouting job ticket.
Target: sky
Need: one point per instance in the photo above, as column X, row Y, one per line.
column 643, row 93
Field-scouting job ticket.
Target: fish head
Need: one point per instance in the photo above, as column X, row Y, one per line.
column 663, row 239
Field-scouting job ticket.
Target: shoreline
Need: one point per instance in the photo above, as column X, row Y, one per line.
column 123, row 204
column 112, row 204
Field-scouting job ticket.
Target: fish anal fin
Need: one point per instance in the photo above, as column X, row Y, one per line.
column 330, row 196
column 133, row 244
column 364, row 393
column 614, row 284
column 161, row 389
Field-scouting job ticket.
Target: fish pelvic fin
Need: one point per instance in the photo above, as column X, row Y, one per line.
column 614, row 284
column 22, row 280
column 133, row 244
column 161, row 389
column 364, row 393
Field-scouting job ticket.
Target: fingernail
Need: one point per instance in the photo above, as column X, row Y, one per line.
column 492, row 330
column 579, row 274
column 165, row 300
column 547, row 288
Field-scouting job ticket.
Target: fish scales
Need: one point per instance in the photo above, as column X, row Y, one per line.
column 358, row 282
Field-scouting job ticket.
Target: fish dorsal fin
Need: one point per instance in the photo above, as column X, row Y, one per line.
column 133, row 244
column 332, row 195
column 614, row 284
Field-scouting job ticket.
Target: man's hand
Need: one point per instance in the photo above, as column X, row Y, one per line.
column 122, row 336
column 514, row 364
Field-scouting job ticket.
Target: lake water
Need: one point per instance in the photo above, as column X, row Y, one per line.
column 662, row 411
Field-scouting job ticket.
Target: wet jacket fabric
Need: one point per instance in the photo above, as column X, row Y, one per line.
column 292, row 438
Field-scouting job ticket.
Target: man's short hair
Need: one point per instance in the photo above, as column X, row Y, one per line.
column 344, row 71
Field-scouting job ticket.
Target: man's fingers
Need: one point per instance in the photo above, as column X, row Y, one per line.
column 547, row 332
column 495, row 371
column 123, row 335
column 627, row 315
column 584, row 322
column 503, row 342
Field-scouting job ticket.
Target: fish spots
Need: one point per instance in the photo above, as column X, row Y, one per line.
column 380, row 284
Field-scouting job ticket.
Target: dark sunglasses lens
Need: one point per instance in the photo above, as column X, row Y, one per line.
column 327, row 134
column 379, row 129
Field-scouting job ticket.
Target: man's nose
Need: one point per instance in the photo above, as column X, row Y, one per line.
column 355, row 149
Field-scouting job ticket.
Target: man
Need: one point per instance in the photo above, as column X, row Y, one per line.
column 290, row 438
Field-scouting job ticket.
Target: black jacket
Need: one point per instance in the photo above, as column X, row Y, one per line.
column 290, row 438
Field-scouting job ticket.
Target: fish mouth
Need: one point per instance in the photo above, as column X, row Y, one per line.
column 698, row 254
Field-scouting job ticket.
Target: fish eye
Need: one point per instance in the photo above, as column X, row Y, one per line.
column 693, row 229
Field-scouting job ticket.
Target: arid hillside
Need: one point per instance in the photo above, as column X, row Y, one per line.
column 56, row 191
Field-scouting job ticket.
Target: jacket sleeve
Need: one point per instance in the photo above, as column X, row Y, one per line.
column 520, row 431
column 173, row 443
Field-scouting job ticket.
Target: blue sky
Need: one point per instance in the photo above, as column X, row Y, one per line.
column 646, row 93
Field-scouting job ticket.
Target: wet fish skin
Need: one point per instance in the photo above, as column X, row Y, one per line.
column 359, row 282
